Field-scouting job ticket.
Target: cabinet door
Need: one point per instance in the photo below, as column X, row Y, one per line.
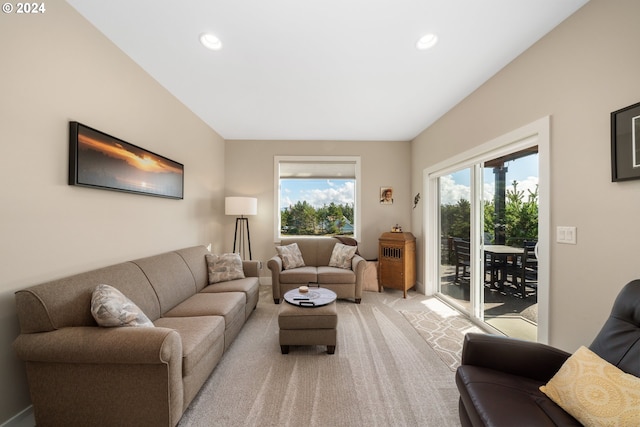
column 392, row 266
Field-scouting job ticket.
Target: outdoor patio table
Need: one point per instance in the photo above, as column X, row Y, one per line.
column 498, row 261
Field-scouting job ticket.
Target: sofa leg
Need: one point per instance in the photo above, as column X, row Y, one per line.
column 358, row 300
column 276, row 300
column 331, row 349
column 284, row 349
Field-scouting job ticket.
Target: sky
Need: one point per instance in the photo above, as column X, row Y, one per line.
column 316, row 192
column 456, row 186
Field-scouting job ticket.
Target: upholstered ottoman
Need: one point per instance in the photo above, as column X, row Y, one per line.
column 308, row 326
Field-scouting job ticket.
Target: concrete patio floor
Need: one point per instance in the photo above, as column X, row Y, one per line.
column 503, row 309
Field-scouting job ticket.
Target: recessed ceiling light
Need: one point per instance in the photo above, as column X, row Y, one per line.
column 210, row 41
column 427, row 41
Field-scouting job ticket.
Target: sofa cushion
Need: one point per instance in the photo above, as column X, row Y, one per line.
column 111, row 308
column 194, row 258
column 594, row 391
column 225, row 304
column 224, row 267
column 324, row 249
column 299, row 275
column 291, row 256
column 198, row 335
column 496, row 398
column 170, row 277
column 334, row 275
column 249, row 285
column 342, row 255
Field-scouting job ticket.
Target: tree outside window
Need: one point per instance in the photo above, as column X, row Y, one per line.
column 316, row 207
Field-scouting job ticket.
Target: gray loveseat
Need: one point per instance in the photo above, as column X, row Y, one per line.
column 316, row 252
column 81, row 374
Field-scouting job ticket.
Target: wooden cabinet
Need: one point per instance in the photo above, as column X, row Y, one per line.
column 397, row 261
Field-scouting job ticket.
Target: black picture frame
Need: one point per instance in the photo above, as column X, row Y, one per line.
column 625, row 143
column 99, row 160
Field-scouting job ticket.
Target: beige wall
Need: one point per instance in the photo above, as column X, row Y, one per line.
column 382, row 164
column 578, row 74
column 56, row 67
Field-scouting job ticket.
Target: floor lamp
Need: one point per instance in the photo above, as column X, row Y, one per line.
column 241, row 206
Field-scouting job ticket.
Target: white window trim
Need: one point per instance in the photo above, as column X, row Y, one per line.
column 276, row 187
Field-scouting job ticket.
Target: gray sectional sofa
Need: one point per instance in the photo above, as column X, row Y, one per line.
column 82, row 374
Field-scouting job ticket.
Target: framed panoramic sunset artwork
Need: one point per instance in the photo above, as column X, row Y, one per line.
column 102, row 161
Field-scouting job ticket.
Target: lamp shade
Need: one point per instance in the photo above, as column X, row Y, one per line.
column 240, row 206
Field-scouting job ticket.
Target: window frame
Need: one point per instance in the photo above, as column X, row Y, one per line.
column 319, row 159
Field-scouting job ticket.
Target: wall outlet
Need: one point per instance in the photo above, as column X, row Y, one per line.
column 566, row 235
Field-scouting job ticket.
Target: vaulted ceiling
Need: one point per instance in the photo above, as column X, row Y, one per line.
column 323, row 70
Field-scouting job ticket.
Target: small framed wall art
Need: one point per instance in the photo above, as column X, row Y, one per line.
column 625, row 143
column 386, row 195
column 102, row 161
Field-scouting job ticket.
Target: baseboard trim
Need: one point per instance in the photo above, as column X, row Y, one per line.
column 25, row 418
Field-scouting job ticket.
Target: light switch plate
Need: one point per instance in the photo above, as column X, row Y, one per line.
column 566, row 235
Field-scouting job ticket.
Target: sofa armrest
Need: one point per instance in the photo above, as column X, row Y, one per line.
column 96, row 345
column 358, row 265
column 275, row 265
column 513, row 356
column 104, row 376
column 251, row 268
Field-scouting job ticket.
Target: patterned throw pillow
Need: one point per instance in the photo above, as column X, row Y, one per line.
column 595, row 392
column 224, row 267
column 291, row 256
column 111, row 308
column 342, row 255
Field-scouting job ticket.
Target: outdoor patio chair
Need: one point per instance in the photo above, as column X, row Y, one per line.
column 462, row 250
column 494, row 266
column 524, row 270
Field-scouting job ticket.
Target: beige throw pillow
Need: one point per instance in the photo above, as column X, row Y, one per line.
column 111, row 308
column 224, row 267
column 342, row 255
column 595, row 392
column 290, row 255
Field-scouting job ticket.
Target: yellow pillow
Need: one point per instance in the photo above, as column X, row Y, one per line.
column 595, row 392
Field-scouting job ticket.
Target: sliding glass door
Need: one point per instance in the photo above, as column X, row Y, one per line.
column 510, row 235
column 487, row 222
column 455, row 220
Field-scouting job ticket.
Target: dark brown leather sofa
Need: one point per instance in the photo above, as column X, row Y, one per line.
column 499, row 377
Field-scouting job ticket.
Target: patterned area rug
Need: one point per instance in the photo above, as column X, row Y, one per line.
column 443, row 328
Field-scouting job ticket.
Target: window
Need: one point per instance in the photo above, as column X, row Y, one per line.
column 316, row 195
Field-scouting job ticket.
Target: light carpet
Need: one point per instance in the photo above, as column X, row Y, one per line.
column 382, row 374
